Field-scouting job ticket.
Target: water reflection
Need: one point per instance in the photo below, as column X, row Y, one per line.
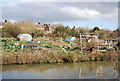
column 82, row 70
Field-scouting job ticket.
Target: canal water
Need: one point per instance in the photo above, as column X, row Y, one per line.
column 81, row 70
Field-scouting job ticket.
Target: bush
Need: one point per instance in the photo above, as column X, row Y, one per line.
column 37, row 33
column 61, row 31
column 12, row 30
column 96, row 29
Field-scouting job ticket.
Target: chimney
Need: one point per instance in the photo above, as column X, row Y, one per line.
column 38, row 23
column 5, row 21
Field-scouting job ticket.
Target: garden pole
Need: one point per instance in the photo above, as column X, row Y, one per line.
column 81, row 42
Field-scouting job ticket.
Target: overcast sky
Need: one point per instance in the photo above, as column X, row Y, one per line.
column 79, row 14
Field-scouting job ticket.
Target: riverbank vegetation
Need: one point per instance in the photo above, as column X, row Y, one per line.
column 47, row 52
column 44, row 56
column 50, row 47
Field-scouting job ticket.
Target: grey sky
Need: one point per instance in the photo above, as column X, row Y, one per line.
column 60, row 11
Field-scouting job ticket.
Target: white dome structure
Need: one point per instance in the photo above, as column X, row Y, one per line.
column 24, row 37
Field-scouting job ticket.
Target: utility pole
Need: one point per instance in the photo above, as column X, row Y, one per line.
column 81, row 42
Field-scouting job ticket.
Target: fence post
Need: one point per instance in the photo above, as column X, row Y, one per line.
column 81, row 42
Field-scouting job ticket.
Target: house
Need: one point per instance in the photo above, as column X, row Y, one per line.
column 47, row 27
column 5, row 22
column 40, row 27
column 1, row 26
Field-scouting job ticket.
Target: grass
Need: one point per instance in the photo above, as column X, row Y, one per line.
column 50, row 55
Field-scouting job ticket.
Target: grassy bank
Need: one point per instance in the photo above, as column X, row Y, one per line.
column 49, row 56
column 49, row 52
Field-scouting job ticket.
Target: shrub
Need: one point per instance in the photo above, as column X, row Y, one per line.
column 12, row 30
column 37, row 33
column 96, row 29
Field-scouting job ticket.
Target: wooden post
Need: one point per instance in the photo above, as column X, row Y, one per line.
column 97, row 43
column 81, row 42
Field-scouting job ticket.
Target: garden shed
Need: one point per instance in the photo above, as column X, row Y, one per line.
column 24, row 37
column 68, row 39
